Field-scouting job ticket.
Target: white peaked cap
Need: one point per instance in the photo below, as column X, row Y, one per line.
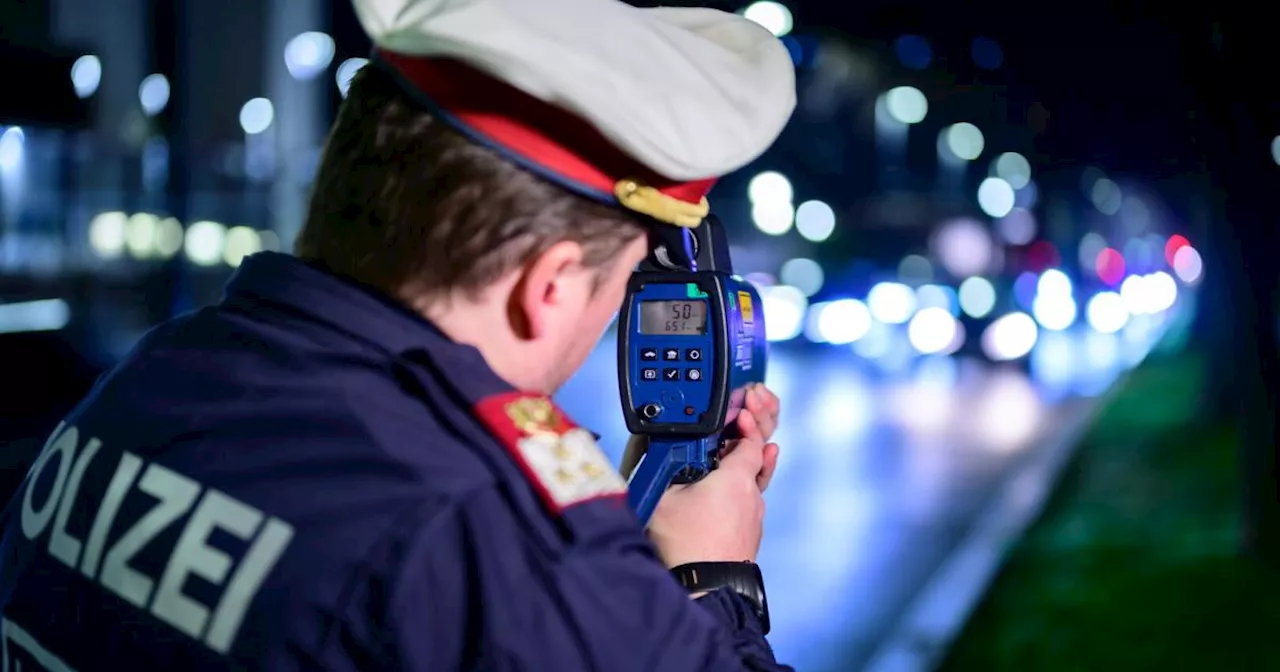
column 689, row 94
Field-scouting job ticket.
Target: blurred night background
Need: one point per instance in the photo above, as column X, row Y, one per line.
column 1018, row 264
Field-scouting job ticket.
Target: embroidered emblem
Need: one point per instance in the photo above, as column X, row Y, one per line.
column 561, row 460
column 534, row 415
column 570, row 466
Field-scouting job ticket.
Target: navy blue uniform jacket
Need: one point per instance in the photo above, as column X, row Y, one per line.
column 306, row 476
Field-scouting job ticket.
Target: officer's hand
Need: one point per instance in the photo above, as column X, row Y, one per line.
column 750, row 427
column 721, row 517
column 764, row 407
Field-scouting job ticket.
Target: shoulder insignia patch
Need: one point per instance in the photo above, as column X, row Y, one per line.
column 562, row 461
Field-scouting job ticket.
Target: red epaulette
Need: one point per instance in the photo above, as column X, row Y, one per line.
column 562, row 461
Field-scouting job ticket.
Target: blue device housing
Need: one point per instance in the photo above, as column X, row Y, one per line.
column 686, row 415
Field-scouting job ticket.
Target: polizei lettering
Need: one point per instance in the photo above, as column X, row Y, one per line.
column 105, row 553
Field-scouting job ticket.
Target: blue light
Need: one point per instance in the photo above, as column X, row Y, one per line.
column 986, row 53
column 808, row 49
column 914, row 51
column 1024, row 289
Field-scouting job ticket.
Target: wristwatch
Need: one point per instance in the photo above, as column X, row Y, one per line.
column 743, row 578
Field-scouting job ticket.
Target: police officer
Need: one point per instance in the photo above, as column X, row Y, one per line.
column 352, row 462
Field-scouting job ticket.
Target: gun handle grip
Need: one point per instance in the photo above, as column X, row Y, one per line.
column 651, row 478
column 666, row 462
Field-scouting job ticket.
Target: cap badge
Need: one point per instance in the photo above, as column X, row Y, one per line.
column 646, row 200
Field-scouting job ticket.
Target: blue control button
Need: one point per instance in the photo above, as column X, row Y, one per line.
column 693, row 354
column 693, row 374
column 671, row 374
column 648, row 354
column 671, row 355
column 648, row 375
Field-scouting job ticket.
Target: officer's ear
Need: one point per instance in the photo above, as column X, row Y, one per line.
column 551, row 284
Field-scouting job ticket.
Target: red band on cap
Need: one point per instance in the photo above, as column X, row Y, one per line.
column 550, row 137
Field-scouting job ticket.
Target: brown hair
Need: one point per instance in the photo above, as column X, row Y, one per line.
column 401, row 199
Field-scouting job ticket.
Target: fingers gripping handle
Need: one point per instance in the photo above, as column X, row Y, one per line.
column 666, row 462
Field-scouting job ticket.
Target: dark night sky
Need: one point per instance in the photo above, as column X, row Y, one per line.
column 1120, row 79
column 1110, row 74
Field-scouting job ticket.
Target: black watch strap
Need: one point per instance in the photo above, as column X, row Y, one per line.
column 743, row 578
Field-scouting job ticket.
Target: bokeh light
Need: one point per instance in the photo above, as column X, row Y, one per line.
column 1054, row 282
column 1109, row 266
column 86, row 75
column 785, row 305
column 241, row 241
column 13, row 141
column 1187, row 264
column 891, row 302
column 906, row 104
column 1054, row 313
column 1091, row 244
column 773, row 16
column 1176, row 242
column 256, row 116
column 205, row 243
column 804, row 274
column 153, row 93
column 995, row 197
column 1010, row 337
column 964, row 247
column 965, row 141
column 986, row 53
column 937, row 296
column 915, row 269
column 1041, row 255
column 1018, row 227
column 308, row 54
column 108, row 234
column 770, row 186
column 977, row 297
column 774, row 217
column 1013, row 168
column 1106, row 196
column 931, row 330
column 1106, row 312
column 815, row 221
column 913, row 51
column 841, row 322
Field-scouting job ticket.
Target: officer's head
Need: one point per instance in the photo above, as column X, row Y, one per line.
column 497, row 257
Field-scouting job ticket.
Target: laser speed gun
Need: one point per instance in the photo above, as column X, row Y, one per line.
column 691, row 339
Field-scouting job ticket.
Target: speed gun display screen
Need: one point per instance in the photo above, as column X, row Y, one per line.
column 673, row 318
